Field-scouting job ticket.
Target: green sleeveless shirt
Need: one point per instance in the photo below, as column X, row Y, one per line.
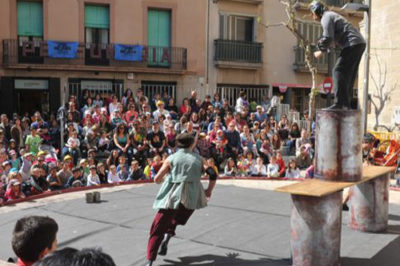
column 182, row 184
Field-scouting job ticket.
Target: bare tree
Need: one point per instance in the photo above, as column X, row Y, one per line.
column 291, row 24
column 381, row 95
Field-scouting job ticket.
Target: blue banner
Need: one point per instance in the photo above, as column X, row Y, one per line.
column 62, row 49
column 128, row 52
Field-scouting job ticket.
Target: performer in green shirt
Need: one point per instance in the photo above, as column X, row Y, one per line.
column 180, row 194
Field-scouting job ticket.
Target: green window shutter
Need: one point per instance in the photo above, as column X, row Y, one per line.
column 159, row 28
column 97, row 17
column 159, row 37
column 30, row 18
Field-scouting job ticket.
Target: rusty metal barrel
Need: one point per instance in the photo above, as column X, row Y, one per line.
column 338, row 151
column 316, row 242
column 369, row 205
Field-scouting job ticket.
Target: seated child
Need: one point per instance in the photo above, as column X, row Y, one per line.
column 273, row 168
column 230, row 168
column 156, row 165
column 259, row 168
column 113, row 175
column 93, row 178
column 135, row 173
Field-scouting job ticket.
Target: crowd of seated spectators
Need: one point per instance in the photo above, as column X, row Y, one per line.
column 113, row 140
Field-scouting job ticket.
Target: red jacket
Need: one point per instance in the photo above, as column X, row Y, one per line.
column 282, row 169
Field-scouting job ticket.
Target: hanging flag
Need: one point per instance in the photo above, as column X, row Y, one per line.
column 62, row 49
column 128, row 52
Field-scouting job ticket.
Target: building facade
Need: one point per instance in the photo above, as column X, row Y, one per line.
column 52, row 48
column 244, row 54
column 103, row 46
column 384, row 64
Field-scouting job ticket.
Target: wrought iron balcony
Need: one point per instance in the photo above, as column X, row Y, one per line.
column 238, row 51
column 321, row 64
column 89, row 55
column 338, row 3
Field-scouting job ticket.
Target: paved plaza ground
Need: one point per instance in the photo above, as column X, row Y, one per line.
column 244, row 224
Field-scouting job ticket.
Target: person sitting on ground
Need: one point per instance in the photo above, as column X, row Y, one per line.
column 259, row 168
column 14, row 191
column 211, row 163
column 230, row 168
column 273, row 168
column 292, row 171
column 93, row 178
column 65, row 173
column 156, row 140
column 53, row 179
column 123, row 173
column 303, row 140
column 37, row 182
column 147, row 168
column 113, row 175
column 233, row 146
column 76, row 180
column 156, row 165
column 135, row 173
column 281, row 163
column 303, row 160
column 34, row 237
column 102, row 173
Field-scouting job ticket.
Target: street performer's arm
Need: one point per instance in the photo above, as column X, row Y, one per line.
column 159, row 178
column 327, row 38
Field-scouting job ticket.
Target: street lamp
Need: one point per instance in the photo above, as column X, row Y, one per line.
column 367, row 9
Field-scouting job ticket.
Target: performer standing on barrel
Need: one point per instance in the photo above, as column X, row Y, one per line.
column 337, row 30
column 180, row 194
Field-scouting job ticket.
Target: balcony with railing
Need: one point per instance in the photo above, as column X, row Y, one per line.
column 238, row 54
column 321, row 64
column 90, row 56
column 338, row 3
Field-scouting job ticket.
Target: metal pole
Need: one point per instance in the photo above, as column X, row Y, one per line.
column 62, row 116
column 366, row 65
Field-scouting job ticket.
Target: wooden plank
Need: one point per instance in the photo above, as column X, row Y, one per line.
column 319, row 188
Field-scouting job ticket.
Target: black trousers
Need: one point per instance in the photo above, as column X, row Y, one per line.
column 345, row 72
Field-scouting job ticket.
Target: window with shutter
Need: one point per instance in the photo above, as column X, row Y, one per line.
column 159, row 37
column 30, row 19
column 237, row 28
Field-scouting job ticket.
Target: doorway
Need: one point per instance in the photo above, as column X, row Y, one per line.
column 29, row 101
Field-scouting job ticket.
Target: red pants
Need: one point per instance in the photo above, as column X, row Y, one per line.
column 164, row 222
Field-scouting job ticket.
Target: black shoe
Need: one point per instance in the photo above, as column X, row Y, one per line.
column 149, row 263
column 164, row 245
column 345, row 207
column 163, row 249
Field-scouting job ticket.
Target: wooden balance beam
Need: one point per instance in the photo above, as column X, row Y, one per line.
column 319, row 188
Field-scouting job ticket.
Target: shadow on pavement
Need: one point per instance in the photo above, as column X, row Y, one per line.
column 388, row 256
column 229, row 259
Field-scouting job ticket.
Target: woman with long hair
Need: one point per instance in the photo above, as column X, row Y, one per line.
column 122, row 141
column 276, row 142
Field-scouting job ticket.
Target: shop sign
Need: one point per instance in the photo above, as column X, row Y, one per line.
column 31, row 84
column 96, row 85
